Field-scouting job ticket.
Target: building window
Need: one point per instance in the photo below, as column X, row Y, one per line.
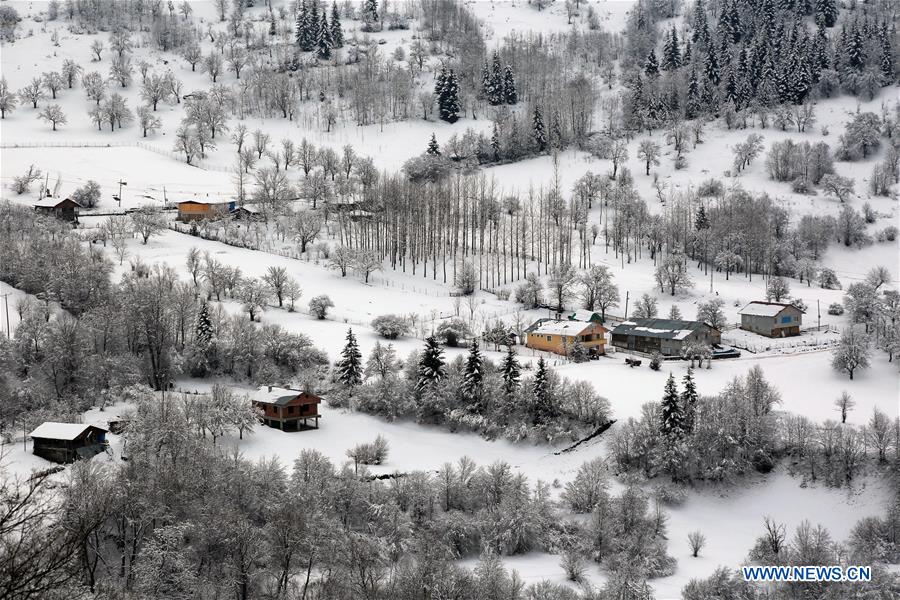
column 290, row 410
column 549, row 338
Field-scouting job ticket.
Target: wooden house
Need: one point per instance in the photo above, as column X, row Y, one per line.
column 286, row 409
column 666, row 336
column 561, row 336
column 67, row 442
column 204, row 208
column 771, row 319
column 66, row 209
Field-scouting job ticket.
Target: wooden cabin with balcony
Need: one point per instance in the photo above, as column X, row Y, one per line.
column 561, row 336
column 287, row 409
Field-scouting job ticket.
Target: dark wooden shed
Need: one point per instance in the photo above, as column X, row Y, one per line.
column 67, row 442
column 66, row 209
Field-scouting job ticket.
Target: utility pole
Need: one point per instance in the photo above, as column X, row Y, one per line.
column 119, row 197
column 627, row 294
column 818, row 316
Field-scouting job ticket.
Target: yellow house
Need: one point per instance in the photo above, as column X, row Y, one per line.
column 560, row 336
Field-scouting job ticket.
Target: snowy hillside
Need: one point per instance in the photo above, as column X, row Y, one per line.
column 374, row 203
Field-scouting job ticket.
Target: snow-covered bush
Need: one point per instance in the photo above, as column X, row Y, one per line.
column 888, row 234
column 530, row 292
column 318, row 306
column 802, row 185
column 836, row 309
column 589, row 488
column 670, row 495
column 373, row 453
column 799, row 304
column 828, row 279
column 452, row 331
column 9, row 20
column 656, row 361
column 578, row 353
column 466, row 278
column 390, row 326
column 87, row 195
column 22, row 183
column 710, row 188
column 869, row 213
column 861, row 137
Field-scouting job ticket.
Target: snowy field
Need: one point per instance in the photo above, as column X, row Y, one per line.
column 800, row 368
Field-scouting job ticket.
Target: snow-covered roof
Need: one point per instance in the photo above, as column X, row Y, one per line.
column 669, row 329
column 568, row 328
column 54, row 202
column 210, row 201
column 582, row 314
column 250, row 208
column 279, row 395
column 764, row 309
column 60, row 431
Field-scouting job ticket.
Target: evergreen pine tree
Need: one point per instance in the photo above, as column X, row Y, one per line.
column 323, row 41
column 637, row 105
column 671, row 415
column 433, row 148
column 430, row 369
column 731, row 22
column 313, row 25
column 349, row 367
column 370, row 12
column 730, row 86
column 203, row 333
column 671, row 52
column 701, row 220
column 819, row 51
column 495, row 90
column 854, row 51
column 826, row 12
column 543, row 409
column 651, row 66
column 201, row 352
column 701, row 26
column 556, row 132
column 510, row 94
column 887, row 54
column 473, row 378
column 744, row 86
column 537, row 128
column 712, row 68
column 511, row 372
column 689, row 399
column 688, row 52
column 303, row 26
column 440, row 82
column 337, row 32
column 448, row 98
column 694, row 104
column 486, row 81
column 495, row 141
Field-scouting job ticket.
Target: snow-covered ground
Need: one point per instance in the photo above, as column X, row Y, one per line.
column 800, row 368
